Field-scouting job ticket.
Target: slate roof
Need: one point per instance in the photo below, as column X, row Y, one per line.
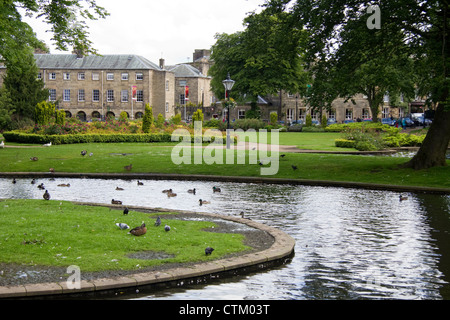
column 185, row 71
column 105, row 62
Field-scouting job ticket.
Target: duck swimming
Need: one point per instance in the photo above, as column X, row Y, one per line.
column 202, row 202
column 116, row 201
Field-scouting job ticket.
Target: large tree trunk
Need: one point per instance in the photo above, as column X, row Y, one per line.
column 433, row 150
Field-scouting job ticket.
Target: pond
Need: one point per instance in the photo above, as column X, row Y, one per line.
column 350, row 243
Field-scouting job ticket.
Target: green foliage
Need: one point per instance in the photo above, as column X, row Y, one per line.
column 148, row 119
column 308, row 120
column 198, row 115
column 60, row 117
column 160, row 121
column 44, row 112
column 273, row 118
column 254, row 112
column 176, row 119
column 344, row 143
column 324, row 121
column 123, row 116
column 246, row 124
column 6, row 110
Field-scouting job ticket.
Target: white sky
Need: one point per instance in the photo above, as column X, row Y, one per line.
column 171, row 29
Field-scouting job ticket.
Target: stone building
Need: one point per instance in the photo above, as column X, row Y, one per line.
column 91, row 87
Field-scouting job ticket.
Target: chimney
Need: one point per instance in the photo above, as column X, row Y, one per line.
column 161, row 63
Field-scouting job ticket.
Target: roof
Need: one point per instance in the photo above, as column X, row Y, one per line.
column 185, row 71
column 105, row 62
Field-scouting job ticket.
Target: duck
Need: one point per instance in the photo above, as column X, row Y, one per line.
column 33, row 181
column 51, row 170
column 216, row 189
column 202, row 202
column 158, row 222
column 139, row 231
column 125, row 211
column 46, row 195
column 209, row 250
column 128, row 168
column 14, row 180
column 191, row 191
column 91, row 154
column 41, row 186
column 402, row 198
column 167, row 191
column 119, row 189
column 123, row 226
column 47, row 144
column 282, row 155
column 64, row 185
column 139, row 183
column 116, row 201
column 167, row 228
column 34, row 159
column 83, row 152
column 171, row 194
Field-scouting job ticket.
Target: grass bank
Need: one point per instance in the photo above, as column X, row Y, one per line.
column 58, row 233
column 151, row 158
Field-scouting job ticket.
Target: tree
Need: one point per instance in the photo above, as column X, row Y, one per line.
column 44, row 112
column 422, row 28
column 66, row 19
column 263, row 59
column 6, row 110
column 24, row 88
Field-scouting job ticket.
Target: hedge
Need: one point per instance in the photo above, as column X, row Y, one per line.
column 20, row 137
column 344, row 143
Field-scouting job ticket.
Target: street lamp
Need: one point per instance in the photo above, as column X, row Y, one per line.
column 228, row 84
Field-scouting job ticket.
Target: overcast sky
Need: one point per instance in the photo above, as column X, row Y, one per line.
column 171, row 29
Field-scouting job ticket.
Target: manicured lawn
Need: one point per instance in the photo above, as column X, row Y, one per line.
column 150, row 158
column 58, row 233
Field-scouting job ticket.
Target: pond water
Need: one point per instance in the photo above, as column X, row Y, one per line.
column 350, row 243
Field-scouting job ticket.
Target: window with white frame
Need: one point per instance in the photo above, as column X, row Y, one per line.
column 332, row 114
column 365, row 113
column 348, row 114
column 66, row 76
column 81, row 95
column 182, row 99
column 110, row 76
column 124, row 96
column 241, row 114
column 95, row 95
column 110, row 95
column 301, row 114
column 52, row 94
column 52, row 76
column 385, row 113
column 167, row 85
column 124, row 76
column 81, row 76
column 66, row 95
column 139, row 76
column 39, row 76
column 167, row 107
column 140, row 95
column 95, row 76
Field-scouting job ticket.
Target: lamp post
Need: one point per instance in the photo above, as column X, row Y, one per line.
column 228, row 84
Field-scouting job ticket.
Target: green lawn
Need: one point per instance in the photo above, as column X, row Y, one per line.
column 58, row 233
column 150, row 158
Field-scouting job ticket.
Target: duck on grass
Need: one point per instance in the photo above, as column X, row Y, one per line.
column 97, row 238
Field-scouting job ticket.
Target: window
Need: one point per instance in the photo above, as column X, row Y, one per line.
column 140, row 96
column 290, row 114
column 385, row 113
column 125, row 76
column 182, row 83
column 241, row 114
column 348, row 114
column 95, row 95
column 365, row 114
column 52, row 76
column 167, row 85
column 167, row 107
column 110, row 96
column 95, row 76
column 301, row 114
column 66, row 76
column 52, row 95
column 124, row 96
column 39, row 76
column 66, row 95
column 139, row 76
column 332, row 114
column 110, row 76
column 81, row 76
column 386, row 97
column 81, row 95
column 182, row 99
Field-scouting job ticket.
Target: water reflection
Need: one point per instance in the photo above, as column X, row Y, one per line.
column 350, row 243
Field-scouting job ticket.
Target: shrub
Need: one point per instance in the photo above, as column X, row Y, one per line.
column 324, row 121
column 176, row 119
column 295, row 128
column 60, row 117
column 160, row 121
column 308, row 120
column 197, row 116
column 123, row 116
column 273, row 118
column 344, row 143
column 147, row 121
column 44, row 111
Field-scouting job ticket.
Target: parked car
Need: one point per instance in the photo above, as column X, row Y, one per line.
column 331, row 121
column 294, row 122
column 408, row 122
column 349, row 121
column 388, row 121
